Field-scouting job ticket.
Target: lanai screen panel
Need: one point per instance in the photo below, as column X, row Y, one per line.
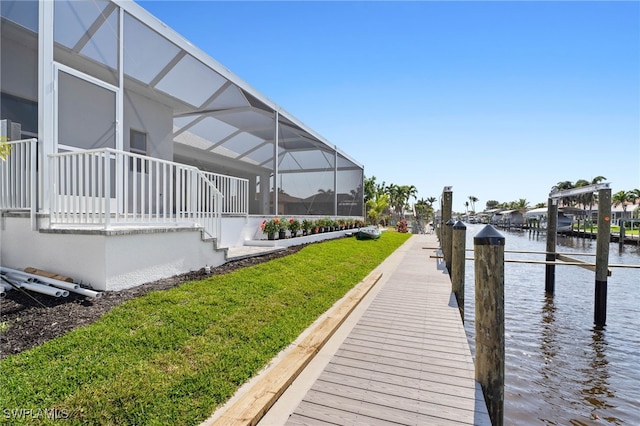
column 306, row 168
column 19, row 64
column 350, row 188
column 86, row 37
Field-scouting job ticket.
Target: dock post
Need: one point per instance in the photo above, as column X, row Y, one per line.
column 552, row 227
column 622, row 236
column 445, row 231
column 457, row 262
column 448, row 247
column 490, row 351
column 602, row 256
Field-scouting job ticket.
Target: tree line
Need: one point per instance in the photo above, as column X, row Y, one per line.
column 586, row 201
column 620, row 198
column 386, row 202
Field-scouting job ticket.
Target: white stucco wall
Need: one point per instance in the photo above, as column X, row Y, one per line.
column 106, row 262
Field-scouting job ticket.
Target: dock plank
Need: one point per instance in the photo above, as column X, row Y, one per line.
column 406, row 360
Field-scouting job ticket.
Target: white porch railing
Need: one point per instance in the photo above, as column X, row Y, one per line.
column 110, row 188
column 18, row 178
column 235, row 193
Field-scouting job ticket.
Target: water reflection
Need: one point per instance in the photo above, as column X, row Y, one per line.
column 596, row 392
column 549, row 349
column 549, row 345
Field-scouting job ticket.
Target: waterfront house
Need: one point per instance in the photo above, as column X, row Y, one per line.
column 511, row 218
column 135, row 155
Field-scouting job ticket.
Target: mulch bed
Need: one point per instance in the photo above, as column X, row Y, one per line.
column 30, row 324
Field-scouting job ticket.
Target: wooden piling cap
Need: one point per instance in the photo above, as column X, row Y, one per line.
column 459, row 225
column 488, row 236
column 450, row 222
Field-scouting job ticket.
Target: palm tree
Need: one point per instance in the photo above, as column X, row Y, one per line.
column 581, row 199
column 635, row 194
column 466, row 207
column 395, row 196
column 411, row 192
column 399, row 195
column 473, row 199
column 590, row 198
column 620, row 197
column 521, row 204
column 424, row 210
column 376, row 208
column 561, row 186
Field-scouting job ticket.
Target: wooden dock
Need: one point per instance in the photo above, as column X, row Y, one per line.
column 405, row 361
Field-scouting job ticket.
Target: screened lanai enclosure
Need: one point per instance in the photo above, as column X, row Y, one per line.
column 132, row 124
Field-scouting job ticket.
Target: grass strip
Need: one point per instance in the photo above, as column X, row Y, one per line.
column 172, row 357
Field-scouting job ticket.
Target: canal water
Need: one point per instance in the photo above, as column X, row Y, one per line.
column 559, row 369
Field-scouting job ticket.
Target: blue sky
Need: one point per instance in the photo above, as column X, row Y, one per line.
column 500, row 100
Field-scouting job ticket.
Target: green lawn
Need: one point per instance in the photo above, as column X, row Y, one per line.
column 614, row 229
column 172, row 357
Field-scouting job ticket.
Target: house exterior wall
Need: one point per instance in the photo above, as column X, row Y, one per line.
column 106, row 262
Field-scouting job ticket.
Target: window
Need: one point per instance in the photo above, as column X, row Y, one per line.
column 138, row 145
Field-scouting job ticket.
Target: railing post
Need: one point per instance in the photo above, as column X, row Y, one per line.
column 490, row 351
column 107, row 188
column 458, row 263
column 33, row 183
column 602, row 256
column 552, row 235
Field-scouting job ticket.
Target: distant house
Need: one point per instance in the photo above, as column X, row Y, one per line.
column 511, row 218
column 620, row 211
column 137, row 156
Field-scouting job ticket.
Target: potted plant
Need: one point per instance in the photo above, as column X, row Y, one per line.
column 270, row 227
column 294, row 227
column 306, row 226
column 283, row 225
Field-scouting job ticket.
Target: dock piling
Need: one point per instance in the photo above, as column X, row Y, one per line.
column 490, row 344
column 602, row 256
column 552, row 226
column 458, row 263
column 445, row 231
